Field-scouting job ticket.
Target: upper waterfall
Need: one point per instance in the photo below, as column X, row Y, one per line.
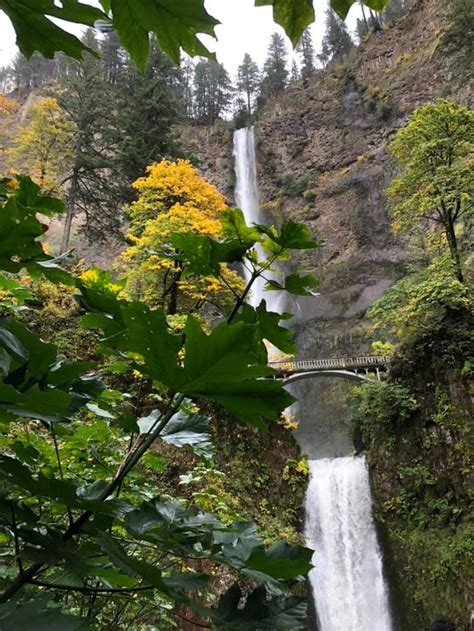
column 247, row 199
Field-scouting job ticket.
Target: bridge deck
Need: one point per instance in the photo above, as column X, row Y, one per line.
column 345, row 363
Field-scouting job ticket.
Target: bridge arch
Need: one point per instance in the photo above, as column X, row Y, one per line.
column 354, row 368
column 345, row 374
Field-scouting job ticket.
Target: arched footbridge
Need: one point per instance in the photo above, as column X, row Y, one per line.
column 366, row 368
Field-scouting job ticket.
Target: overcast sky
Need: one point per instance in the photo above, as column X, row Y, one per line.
column 243, row 28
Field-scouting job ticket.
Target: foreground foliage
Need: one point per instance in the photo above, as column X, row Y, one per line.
column 78, row 511
column 175, row 25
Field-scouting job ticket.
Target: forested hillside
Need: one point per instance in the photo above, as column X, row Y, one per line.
column 153, row 466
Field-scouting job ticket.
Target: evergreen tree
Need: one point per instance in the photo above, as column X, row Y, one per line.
column 187, row 81
column 458, row 40
column 248, row 82
column 32, row 73
column 148, row 105
column 113, row 57
column 295, row 74
column 212, row 91
column 337, row 42
column 275, row 73
column 93, row 183
column 393, row 10
column 305, row 49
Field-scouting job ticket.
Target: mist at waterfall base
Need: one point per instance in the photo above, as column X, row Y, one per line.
column 347, row 580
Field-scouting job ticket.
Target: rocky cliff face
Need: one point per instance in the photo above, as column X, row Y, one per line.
column 324, row 160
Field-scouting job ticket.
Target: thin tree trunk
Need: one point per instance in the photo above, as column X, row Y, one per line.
column 249, row 109
column 454, row 251
column 364, row 17
column 69, row 212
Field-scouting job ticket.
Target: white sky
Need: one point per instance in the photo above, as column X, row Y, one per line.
column 243, row 28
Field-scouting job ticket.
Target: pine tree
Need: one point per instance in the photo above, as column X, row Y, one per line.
column 275, row 73
column 113, row 57
column 187, row 81
column 295, row 74
column 458, row 40
column 94, row 183
column 212, row 91
column 305, row 49
column 248, row 82
column 337, row 42
column 148, row 105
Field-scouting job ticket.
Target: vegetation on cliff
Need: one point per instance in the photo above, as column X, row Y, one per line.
column 415, row 427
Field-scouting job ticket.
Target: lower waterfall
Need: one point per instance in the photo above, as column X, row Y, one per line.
column 347, row 581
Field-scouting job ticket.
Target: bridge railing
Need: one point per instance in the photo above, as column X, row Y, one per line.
column 302, row 365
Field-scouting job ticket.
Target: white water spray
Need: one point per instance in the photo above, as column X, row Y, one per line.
column 246, row 198
column 347, row 581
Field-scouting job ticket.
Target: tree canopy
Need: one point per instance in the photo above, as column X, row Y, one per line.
column 434, row 152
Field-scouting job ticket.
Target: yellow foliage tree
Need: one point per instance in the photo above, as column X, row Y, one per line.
column 174, row 198
column 7, row 107
column 43, row 147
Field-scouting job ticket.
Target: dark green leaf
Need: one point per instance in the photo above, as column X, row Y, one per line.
column 235, row 227
column 189, row 429
column 282, row 561
column 341, row 7
column 293, row 15
column 175, row 24
column 268, row 324
column 295, row 284
column 204, row 254
column 37, row 615
column 292, row 236
column 261, row 612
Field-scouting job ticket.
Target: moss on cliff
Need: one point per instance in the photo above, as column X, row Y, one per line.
column 415, row 430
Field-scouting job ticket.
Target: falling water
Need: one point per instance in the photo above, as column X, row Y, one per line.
column 246, row 197
column 347, row 581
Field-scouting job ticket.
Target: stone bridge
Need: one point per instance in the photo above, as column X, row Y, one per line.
column 366, row 368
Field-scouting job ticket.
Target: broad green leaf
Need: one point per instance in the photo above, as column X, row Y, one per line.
column 293, row 15
column 341, row 7
column 235, row 227
column 204, row 254
column 268, row 324
column 282, row 561
column 260, row 612
column 175, row 24
column 37, row 615
column 223, row 367
column 189, row 429
column 186, row 581
column 291, row 236
column 295, row 284
column 35, row 32
column 20, row 229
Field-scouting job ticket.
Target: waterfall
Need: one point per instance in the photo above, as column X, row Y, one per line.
column 347, row 582
column 246, row 198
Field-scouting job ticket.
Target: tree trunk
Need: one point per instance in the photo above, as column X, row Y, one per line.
column 453, row 250
column 249, row 108
column 69, row 213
